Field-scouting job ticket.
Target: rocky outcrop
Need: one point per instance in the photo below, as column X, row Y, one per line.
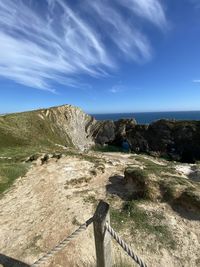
column 103, row 132
column 112, row 132
column 178, row 140
column 69, row 126
column 121, row 128
column 73, row 124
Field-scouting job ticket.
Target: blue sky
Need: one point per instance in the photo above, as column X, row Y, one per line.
column 104, row 56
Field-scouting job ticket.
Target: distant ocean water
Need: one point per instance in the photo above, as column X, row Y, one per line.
column 148, row 117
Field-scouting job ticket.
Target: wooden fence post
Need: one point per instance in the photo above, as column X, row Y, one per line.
column 102, row 237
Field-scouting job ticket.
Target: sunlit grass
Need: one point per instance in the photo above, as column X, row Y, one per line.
column 9, row 172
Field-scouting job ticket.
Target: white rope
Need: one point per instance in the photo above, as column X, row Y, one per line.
column 126, row 248
column 62, row 244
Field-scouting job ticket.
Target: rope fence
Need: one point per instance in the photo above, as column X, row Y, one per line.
column 124, row 245
column 62, row 244
column 102, row 226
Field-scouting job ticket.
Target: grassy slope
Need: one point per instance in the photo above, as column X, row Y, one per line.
column 27, row 129
column 21, row 135
column 9, row 171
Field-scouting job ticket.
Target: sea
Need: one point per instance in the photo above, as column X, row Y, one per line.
column 148, row 117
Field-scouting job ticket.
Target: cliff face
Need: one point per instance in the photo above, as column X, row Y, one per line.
column 179, row 140
column 70, row 126
column 65, row 125
column 74, row 124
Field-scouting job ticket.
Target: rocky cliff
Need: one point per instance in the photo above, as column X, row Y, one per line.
column 178, row 140
column 70, row 126
column 64, row 125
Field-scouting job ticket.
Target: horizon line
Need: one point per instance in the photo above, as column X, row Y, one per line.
column 99, row 113
column 137, row 112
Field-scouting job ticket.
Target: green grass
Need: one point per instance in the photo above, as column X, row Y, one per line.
column 157, row 182
column 146, row 187
column 13, row 165
column 19, row 153
column 31, row 128
column 90, row 199
column 142, row 221
column 107, row 148
column 153, row 168
column 140, row 175
column 9, row 172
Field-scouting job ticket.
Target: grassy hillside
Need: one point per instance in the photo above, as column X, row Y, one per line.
column 24, row 134
column 27, row 129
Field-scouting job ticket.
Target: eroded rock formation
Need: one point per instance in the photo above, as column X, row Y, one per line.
column 178, row 140
column 70, row 126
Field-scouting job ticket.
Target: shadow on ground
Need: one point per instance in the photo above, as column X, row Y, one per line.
column 116, row 186
column 186, row 213
column 6, row 261
column 195, row 174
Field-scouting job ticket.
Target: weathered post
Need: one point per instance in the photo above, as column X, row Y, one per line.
column 102, row 237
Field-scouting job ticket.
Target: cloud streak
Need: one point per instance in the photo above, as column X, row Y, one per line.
column 195, row 3
column 55, row 45
column 117, row 89
column 150, row 10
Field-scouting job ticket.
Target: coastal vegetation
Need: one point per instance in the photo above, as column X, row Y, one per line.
column 73, row 165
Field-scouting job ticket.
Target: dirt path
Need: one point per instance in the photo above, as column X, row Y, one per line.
column 54, row 198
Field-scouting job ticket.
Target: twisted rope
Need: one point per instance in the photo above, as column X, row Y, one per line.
column 127, row 248
column 62, row 244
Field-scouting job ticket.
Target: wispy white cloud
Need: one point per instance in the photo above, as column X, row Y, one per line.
column 151, row 10
column 130, row 41
column 118, row 88
column 196, row 81
column 56, row 44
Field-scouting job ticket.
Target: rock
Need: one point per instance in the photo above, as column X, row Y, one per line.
column 177, row 140
column 32, row 158
column 137, row 138
column 121, row 128
column 104, row 132
column 44, row 158
column 57, row 155
column 69, row 126
column 113, row 133
column 74, row 126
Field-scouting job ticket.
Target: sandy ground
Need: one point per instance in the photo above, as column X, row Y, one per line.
column 43, row 207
